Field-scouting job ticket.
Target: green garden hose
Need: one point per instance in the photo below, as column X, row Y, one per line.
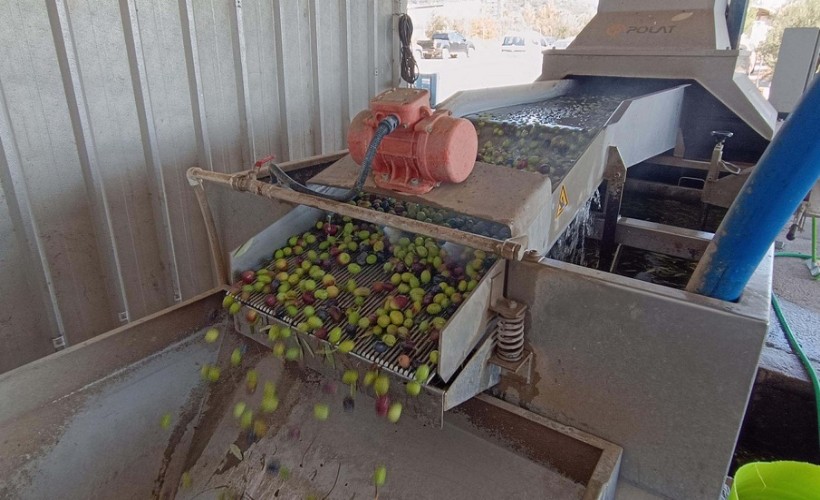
column 795, row 345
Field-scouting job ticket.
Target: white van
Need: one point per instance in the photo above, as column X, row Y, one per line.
column 525, row 42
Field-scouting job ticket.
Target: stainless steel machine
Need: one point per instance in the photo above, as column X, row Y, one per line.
column 630, row 107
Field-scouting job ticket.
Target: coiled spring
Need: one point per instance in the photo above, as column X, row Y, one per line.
column 510, row 334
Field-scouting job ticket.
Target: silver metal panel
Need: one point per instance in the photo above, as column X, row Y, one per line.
column 17, row 218
column 796, row 67
column 466, row 102
column 153, row 162
column 667, row 26
column 465, row 329
column 654, row 118
column 263, row 61
column 527, row 215
column 177, row 130
column 476, row 377
column 39, row 120
column 631, row 362
column 187, row 83
column 80, row 113
column 116, row 154
column 714, row 70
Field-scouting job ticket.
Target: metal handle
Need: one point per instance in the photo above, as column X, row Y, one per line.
column 264, row 160
column 721, row 135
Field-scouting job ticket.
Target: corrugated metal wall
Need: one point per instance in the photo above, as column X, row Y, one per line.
column 103, row 108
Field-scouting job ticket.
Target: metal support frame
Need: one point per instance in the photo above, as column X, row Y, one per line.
column 68, row 60
column 22, row 217
column 242, row 86
column 722, row 191
column 660, row 238
column 615, row 175
column 674, row 161
column 150, row 145
column 195, row 89
column 768, row 199
column 220, row 269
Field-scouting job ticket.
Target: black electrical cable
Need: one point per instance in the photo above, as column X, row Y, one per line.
column 409, row 67
column 387, row 125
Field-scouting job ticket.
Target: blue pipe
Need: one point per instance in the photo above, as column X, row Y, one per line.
column 784, row 175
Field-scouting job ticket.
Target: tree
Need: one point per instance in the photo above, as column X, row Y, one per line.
column 485, row 28
column 749, row 20
column 549, row 20
column 440, row 23
column 437, row 23
column 801, row 13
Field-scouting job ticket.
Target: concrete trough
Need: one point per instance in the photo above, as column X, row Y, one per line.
column 86, row 423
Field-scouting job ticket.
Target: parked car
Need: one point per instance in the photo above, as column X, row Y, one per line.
column 563, row 43
column 525, row 42
column 445, row 45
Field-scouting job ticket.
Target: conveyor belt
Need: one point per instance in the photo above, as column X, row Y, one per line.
column 546, row 137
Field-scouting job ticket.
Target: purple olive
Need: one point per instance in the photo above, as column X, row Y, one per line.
column 382, row 405
column 334, row 313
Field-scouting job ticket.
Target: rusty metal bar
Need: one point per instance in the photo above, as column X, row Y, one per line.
column 507, row 249
column 311, row 161
column 220, row 270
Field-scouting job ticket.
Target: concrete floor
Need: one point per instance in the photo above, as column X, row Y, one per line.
column 799, row 296
column 107, row 441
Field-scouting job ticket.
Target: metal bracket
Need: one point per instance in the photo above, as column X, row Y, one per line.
column 522, row 367
column 511, row 353
column 59, row 343
column 615, row 175
column 722, row 191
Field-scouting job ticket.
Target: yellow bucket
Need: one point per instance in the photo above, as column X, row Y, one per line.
column 776, row 481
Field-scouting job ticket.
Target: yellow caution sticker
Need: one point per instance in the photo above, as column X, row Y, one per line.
column 563, row 201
